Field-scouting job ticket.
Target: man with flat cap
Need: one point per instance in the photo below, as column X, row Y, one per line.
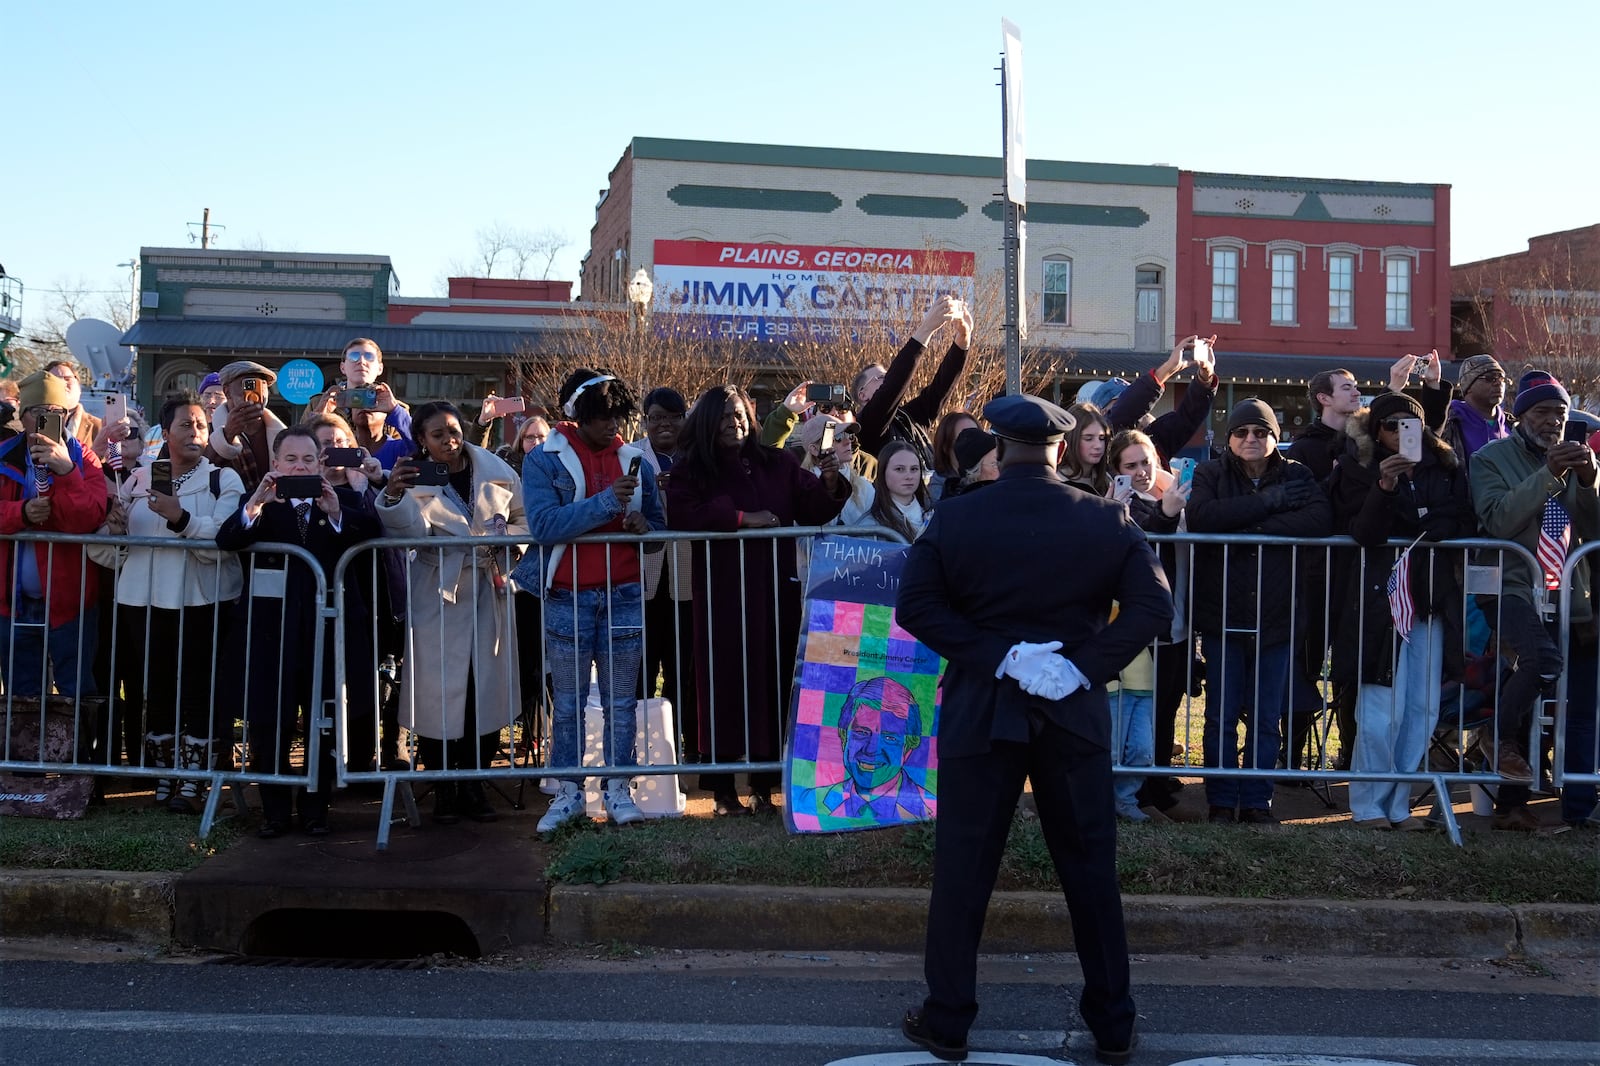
column 244, row 428
column 1026, row 629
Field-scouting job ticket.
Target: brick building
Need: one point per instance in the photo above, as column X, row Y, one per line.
column 1297, row 275
column 1537, row 307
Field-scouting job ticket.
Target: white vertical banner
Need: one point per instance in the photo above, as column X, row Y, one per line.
column 1015, row 150
column 1022, row 278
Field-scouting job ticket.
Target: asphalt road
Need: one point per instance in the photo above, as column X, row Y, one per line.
column 600, row 1008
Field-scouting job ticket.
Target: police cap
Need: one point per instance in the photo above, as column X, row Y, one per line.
column 1027, row 419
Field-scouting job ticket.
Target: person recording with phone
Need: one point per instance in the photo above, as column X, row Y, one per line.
column 244, row 427
column 167, row 600
column 367, row 404
column 460, row 685
column 584, row 479
column 1434, row 396
column 85, row 427
column 49, row 482
column 1170, row 432
column 296, row 504
column 880, row 392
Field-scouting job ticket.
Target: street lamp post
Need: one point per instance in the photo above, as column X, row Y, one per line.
column 132, row 266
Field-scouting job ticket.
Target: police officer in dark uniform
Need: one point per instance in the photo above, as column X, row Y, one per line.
column 1014, row 587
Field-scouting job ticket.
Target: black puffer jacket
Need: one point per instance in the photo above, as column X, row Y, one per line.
column 1226, row 500
column 1432, row 503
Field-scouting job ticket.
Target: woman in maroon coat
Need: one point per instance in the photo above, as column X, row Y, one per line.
column 746, row 592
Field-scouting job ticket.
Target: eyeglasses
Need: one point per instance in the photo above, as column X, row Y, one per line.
column 1258, row 432
column 665, row 420
column 1390, row 424
column 46, row 411
column 362, row 355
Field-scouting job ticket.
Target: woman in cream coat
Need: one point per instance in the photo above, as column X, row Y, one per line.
column 461, row 641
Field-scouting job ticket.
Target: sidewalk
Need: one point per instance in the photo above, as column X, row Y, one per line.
column 483, row 886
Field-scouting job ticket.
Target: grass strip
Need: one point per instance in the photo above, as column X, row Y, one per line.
column 112, row 838
column 1184, row 860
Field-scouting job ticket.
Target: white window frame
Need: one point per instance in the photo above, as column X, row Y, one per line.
column 1398, row 306
column 1217, row 256
column 1283, row 265
column 1348, row 305
column 1045, row 291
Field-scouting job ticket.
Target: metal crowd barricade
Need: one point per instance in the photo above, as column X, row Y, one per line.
column 1481, row 562
column 360, row 748
column 100, row 726
column 1565, row 710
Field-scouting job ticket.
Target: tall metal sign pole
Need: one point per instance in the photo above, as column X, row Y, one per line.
column 1014, row 190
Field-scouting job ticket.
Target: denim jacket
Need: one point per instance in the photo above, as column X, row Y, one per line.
column 559, row 508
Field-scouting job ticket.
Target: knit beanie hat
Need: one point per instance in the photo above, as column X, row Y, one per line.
column 1474, row 368
column 43, row 389
column 1393, row 405
column 972, row 444
column 1253, row 412
column 1536, row 387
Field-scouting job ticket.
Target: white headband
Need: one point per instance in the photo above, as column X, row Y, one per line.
column 571, row 406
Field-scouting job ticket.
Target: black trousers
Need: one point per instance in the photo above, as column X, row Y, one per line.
column 669, row 652
column 977, row 800
column 165, row 659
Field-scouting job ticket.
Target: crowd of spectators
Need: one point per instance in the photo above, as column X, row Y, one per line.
column 456, row 644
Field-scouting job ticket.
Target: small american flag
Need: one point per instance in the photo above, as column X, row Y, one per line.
column 1400, row 608
column 114, row 456
column 1555, row 535
column 41, row 480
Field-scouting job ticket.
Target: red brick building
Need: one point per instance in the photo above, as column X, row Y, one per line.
column 1538, row 307
column 1297, row 275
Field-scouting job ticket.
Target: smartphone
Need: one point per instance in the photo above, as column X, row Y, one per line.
column 116, row 408
column 161, row 476
column 633, row 466
column 510, row 405
column 825, row 444
column 833, row 394
column 1183, row 469
column 346, row 457
column 1411, row 439
column 252, row 391
column 359, row 399
column 51, row 426
column 1202, row 351
column 1577, row 431
column 298, row 487
column 1121, row 484
column 431, row 473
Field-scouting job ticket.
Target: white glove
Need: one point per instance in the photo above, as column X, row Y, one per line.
column 1059, row 679
column 1024, row 662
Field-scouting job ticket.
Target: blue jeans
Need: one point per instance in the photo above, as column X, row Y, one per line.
column 71, row 644
column 602, row 628
column 1243, row 681
column 1133, row 741
column 1393, row 725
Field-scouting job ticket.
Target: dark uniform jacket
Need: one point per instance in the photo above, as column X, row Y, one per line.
column 1029, row 559
column 1225, row 500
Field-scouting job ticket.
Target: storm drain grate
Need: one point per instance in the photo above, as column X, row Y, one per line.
column 309, row 963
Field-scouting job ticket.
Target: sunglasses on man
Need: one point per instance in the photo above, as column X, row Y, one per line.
column 1258, row 432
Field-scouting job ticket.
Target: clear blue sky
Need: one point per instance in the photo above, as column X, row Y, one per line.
column 400, row 128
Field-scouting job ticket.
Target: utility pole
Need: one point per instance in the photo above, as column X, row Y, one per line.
column 205, row 228
column 1014, row 191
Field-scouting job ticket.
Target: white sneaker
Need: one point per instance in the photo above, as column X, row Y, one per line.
column 567, row 805
column 620, row 807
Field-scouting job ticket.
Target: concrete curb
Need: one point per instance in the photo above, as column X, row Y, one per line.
column 734, row 917
column 96, row 904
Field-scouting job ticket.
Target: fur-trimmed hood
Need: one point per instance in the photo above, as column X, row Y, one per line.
column 1364, row 442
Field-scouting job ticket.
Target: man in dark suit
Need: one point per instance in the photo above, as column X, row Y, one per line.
column 283, row 617
column 1030, row 648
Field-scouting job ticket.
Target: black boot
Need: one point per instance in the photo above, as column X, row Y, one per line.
column 446, row 808
column 475, row 802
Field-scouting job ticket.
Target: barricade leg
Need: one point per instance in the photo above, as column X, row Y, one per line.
column 1578, row 798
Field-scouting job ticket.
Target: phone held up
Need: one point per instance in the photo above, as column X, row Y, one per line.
column 825, row 444
column 116, row 408
column 1121, row 484
column 298, row 487
column 1410, row 433
column 825, row 394
column 633, row 466
column 161, row 476
column 1577, row 432
column 359, row 399
column 343, row 457
column 252, row 391
column 51, row 426
column 431, row 473
column 1183, row 469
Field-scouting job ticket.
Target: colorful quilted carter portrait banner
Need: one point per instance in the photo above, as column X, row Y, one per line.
column 863, row 749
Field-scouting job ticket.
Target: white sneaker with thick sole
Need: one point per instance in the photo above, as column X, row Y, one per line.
column 567, row 805
column 619, row 804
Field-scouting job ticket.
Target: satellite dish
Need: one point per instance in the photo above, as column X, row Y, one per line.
column 94, row 343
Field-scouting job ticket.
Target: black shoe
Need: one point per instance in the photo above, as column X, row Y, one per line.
column 475, row 804
column 728, row 803
column 445, row 810
column 762, row 803
column 1117, row 1056
column 314, row 827
column 915, row 1026
column 1256, row 816
column 1220, row 816
column 270, row 830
